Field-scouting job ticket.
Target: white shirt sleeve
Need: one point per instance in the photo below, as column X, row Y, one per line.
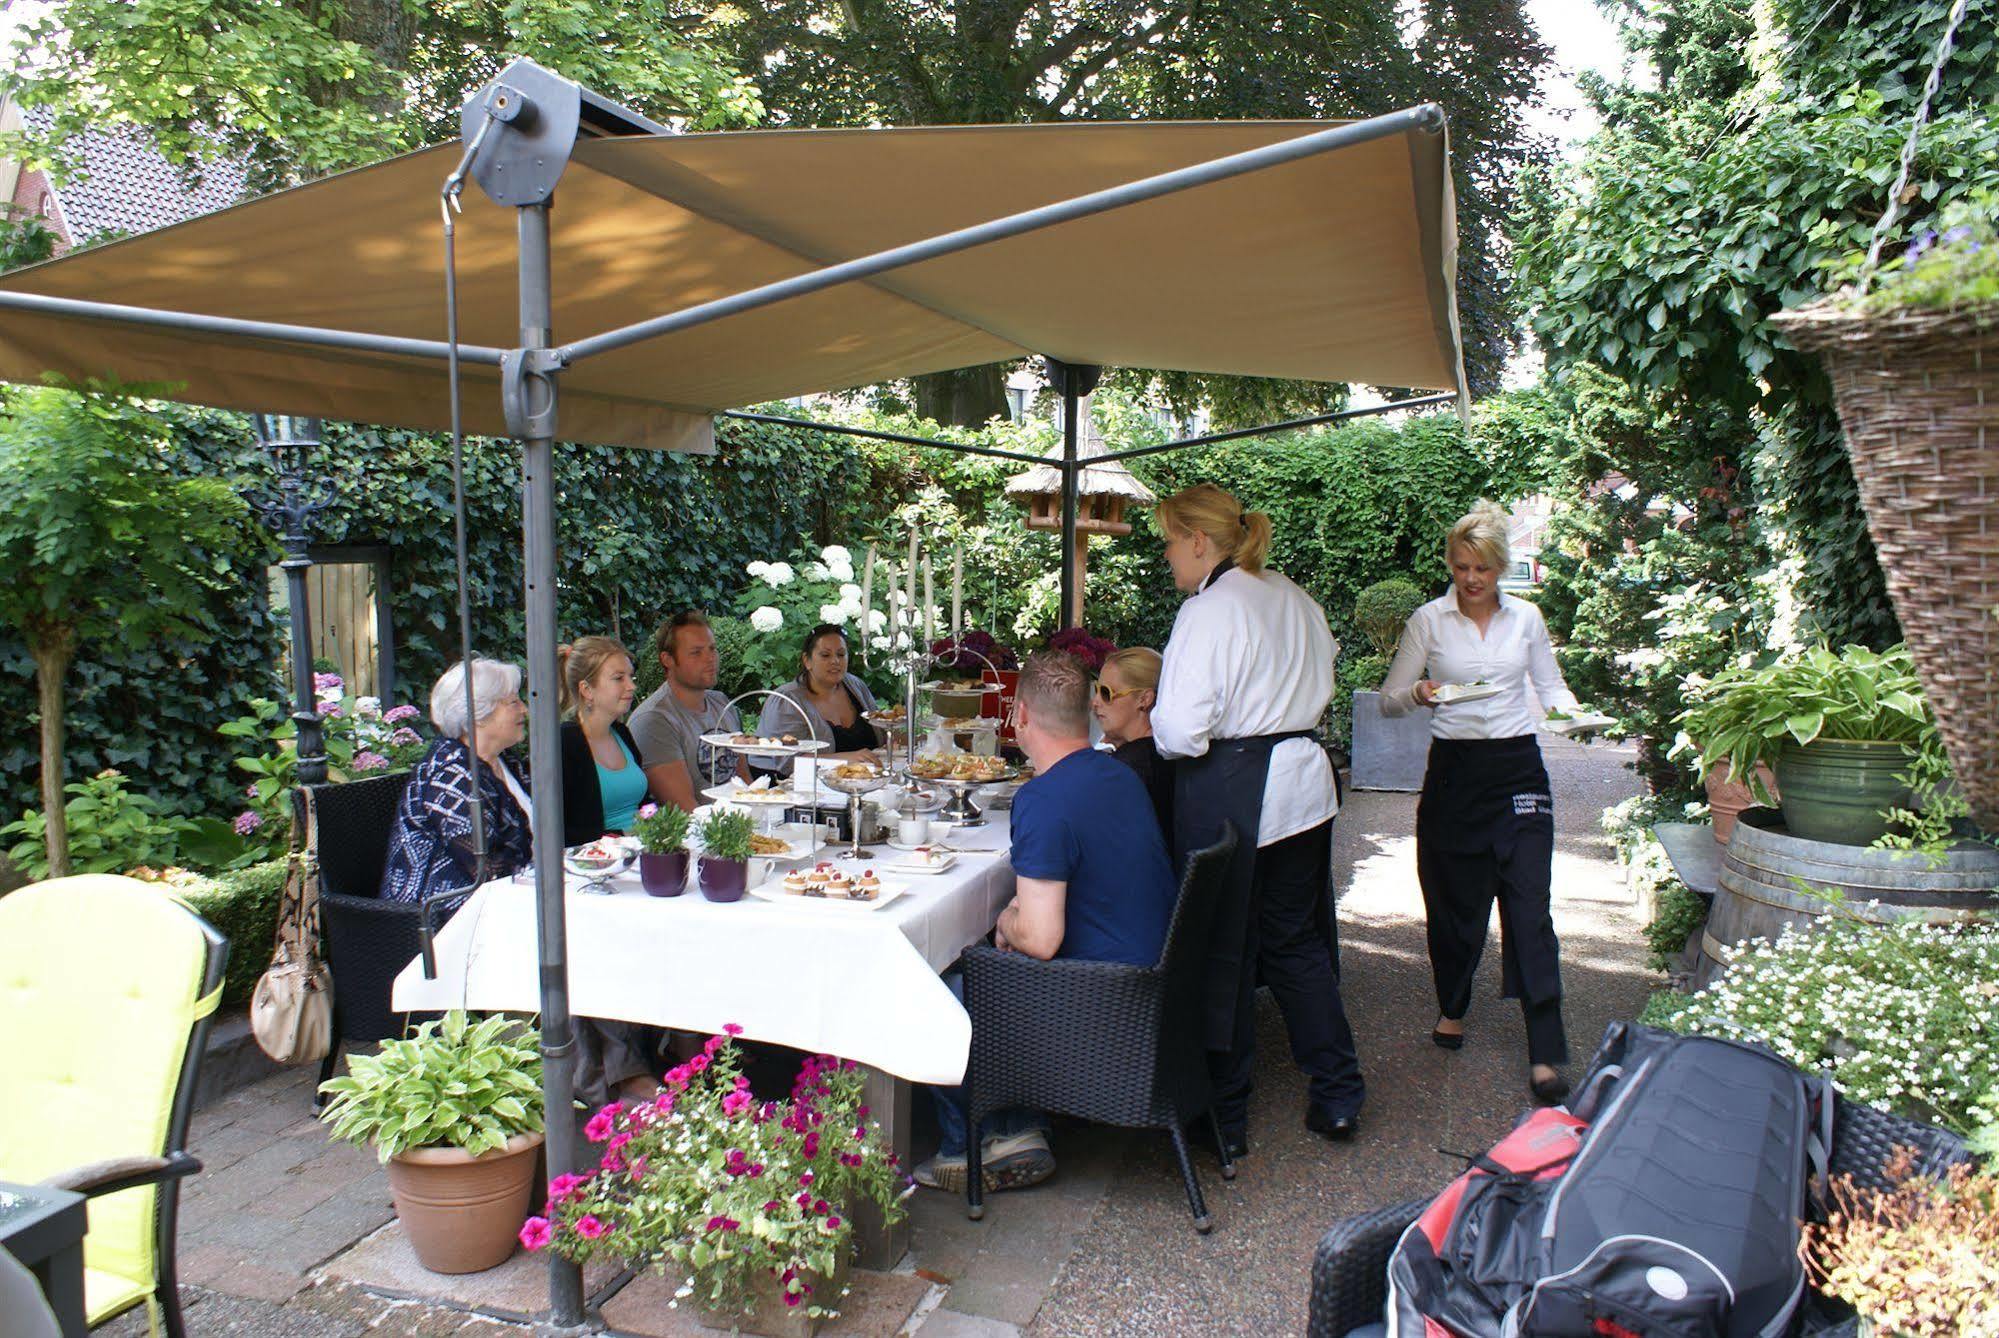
column 1190, row 687
column 1545, row 673
column 1412, row 653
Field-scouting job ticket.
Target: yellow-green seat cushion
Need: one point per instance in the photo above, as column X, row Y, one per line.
column 100, row 982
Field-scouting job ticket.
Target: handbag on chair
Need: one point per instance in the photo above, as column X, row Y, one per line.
column 291, row 1011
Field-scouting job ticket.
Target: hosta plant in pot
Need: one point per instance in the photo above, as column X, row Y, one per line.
column 1840, row 731
column 725, row 854
column 661, row 830
column 454, row 1110
column 749, row 1203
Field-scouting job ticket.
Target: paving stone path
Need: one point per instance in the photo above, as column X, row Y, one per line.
column 289, row 1235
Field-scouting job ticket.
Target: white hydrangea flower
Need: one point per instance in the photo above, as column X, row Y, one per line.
column 767, row 619
column 881, row 643
column 849, row 591
column 757, row 568
column 368, row 708
column 779, row 574
column 816, row 571
column 877, row 620
column 833, row 613
column 833, row 555
column 839, row 571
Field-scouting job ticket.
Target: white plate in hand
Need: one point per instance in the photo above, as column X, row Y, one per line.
column 1579, row 723
column 1447, row 693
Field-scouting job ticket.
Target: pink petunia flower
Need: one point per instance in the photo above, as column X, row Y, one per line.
column 731, row 1029
column 590, row 1227
column 563, row 1186
column 536, row 1232
column 698, row 1064
column 735, row 1103
column 611, row 1163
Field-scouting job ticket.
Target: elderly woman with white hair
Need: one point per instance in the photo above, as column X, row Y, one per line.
column 1485, row 826
column 431, row 850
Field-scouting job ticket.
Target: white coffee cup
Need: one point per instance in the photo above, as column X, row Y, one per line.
column 912, row 831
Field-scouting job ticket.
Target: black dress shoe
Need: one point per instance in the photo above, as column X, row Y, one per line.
column 1338, row 1128
column 1548, row 1091
column 1448, row 1040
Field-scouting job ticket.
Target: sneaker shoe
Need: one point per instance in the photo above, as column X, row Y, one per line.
column 941, row 1172
column 1016, row 1161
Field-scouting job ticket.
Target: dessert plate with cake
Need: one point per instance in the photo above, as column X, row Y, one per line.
column 831, row 884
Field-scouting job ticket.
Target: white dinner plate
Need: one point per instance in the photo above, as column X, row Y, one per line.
column 775, row 892
column 1447, row 693
column 731, row 742
column 743, row 794
column 1579, row 723
column 912, row 866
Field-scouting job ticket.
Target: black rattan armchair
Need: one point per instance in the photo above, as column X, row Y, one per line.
column 366, row 941
column 1101, row 1041
column 1350, row 1267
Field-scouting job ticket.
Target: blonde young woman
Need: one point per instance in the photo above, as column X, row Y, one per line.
column 1485, row 826
column 1127, row 689
column 603, row 785
column 1246, row 676
column 603, row 775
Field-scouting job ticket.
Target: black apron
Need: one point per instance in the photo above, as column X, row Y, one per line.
column 1225, row 784
column 1485, row 796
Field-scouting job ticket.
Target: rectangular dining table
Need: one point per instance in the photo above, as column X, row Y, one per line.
column 857, row 981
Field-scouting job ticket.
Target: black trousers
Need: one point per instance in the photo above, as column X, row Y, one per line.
column 1291, row 949
column 1458, row 892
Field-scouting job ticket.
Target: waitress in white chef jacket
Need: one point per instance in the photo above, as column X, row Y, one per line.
column 1485, row 826
column 1246, row 677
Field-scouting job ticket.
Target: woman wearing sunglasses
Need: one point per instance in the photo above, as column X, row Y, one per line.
column 1127, row 687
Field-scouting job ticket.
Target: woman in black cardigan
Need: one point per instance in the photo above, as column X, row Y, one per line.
column 603, row 784
column 603, row 775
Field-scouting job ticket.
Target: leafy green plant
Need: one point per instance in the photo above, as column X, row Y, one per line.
column 1953, row 264
column 111, row 830
column 1364, row 673
column 725, row 834
column 661, row 829
column 1676, row 913
column 454, row 1083
column 1382, row 610
column 1745, row 716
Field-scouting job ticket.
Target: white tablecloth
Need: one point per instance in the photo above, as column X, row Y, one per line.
column 859, row 983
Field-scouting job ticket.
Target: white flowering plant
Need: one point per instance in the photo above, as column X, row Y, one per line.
column 1903, row 1016
column 740, row 1196
column 785, row 600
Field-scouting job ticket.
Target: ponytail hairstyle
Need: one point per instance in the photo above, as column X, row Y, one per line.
column 1241, row 535
column 1487, row 531
column 580, row 662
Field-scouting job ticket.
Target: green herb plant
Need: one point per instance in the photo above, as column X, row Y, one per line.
column 111, row 830
column 454, row 1083
column 661, row 829
column 725, row 835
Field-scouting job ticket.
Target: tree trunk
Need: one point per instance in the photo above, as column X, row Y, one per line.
column 52, row 652
column 968, row 397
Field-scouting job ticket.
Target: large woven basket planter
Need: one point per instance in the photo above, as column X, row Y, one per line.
column 1918, row 397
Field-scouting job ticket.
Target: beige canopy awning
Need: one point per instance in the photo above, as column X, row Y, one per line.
column 1338, row 267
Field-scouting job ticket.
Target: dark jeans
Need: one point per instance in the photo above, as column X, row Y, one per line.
column 1290, row 948
column 952, row 1139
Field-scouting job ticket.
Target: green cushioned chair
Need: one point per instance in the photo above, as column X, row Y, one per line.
column 106, row 988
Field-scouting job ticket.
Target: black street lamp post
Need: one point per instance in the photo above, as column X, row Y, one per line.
column 291, row 511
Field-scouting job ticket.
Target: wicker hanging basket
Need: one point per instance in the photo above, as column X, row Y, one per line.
column 1918, row 397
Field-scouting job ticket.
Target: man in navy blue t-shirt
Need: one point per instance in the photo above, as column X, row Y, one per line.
column 1095, row 883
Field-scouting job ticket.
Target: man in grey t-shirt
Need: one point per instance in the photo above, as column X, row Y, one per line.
column 669, row 724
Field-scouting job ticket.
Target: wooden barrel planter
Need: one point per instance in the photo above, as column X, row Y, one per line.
column 1758, row 893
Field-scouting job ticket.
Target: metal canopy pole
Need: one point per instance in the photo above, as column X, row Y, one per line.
column 1072, row 382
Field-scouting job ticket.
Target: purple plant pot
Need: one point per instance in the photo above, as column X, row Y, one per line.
column 663, row 875
column 724, row 879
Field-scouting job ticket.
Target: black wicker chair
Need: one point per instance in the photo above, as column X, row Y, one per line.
column 1100, row 1040
column 1350, row 1267
column 367, row 941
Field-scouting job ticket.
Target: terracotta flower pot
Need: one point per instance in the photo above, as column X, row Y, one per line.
column 724, row 879
column 1727, row 797
column 464, row 1213
column 663, row 875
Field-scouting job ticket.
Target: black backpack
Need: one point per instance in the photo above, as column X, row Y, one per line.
column 1665, row 1202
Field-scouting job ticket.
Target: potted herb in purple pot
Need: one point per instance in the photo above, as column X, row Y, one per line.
column 725, row 854
column 662, row 834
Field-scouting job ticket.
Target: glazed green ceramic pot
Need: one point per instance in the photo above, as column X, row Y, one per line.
column 1840, row 790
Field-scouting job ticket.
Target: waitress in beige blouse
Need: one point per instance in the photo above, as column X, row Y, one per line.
column 1485, row 826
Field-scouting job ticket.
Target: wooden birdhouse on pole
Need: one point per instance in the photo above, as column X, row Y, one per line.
column 1102, row 490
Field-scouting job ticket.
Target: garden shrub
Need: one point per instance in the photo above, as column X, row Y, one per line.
column 1677, row 911
column 1904, row 1017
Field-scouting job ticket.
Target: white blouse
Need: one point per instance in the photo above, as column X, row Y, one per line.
column 1513, row 654
column 1251, row 655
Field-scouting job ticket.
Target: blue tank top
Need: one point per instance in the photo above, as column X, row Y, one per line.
column 623, row 791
